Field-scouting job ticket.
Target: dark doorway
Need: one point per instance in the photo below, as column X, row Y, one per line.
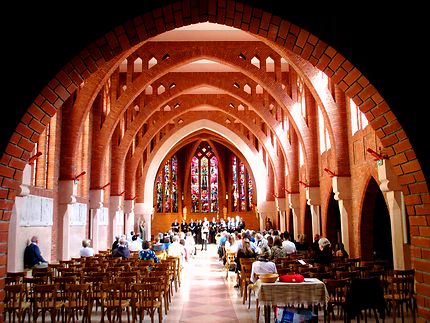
column 375, row 233
column 333, row 227
column 308, row 225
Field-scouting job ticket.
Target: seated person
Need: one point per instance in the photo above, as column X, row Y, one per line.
column 158, row 245
column 122, row 250
column 263, row 265
column 86, row 250
column 32, row 255
column 325, row 255
column 135, row 244
column 147, row 254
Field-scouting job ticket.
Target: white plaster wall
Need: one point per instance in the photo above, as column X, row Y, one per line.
column 19, row 237
column 77, row 234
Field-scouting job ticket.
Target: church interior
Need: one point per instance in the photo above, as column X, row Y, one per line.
column 184, row 114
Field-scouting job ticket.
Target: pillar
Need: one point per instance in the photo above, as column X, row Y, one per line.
column 342, row 193
column 66, row 198
column 281, row 204
column 115, row 211
column 129, row 214
column 294, row 204
column 96, row 214
column 395, row 204
column 314, row 201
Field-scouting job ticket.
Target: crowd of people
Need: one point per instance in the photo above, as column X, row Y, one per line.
column 268, row 245
column 229, row 235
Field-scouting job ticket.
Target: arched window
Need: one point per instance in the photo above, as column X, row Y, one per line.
column 204, row 180
column 242, row 187
column 167, row 187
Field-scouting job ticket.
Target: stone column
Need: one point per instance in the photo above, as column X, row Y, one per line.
column 281, row 204
column 294, row 204
column 342, row 193
column 129, row 215
column 67, row 192
column 314, row 201
column 115, row 208
column 96, row 210
column 395, row 203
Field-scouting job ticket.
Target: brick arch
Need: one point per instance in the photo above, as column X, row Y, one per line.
column 133, row 162
column 271, row 27
column 138, row 86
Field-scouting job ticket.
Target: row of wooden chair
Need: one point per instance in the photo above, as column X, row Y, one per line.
column 167, row 273
column 396, row 295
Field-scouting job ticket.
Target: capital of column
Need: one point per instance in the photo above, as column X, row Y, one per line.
column 67, row 192
column 294, row 200
column 387, row 178
column 129, row 206
column 281, row 203
column 341, row 187
column 313, row 195
column 96, row 199
column 267, row 207
column 116, row 203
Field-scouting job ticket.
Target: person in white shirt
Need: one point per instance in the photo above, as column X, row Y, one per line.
column 86, row 250
column 135, row 244
column 288, row 245
column 263, row 265
column 176, row 249
column 190, row 244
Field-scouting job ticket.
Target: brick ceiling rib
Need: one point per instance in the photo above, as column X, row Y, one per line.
column 190, row 62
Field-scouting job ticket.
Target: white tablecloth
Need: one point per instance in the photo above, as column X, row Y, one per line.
column 310, row 292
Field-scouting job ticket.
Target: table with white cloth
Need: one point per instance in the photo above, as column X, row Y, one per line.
column 311, row 292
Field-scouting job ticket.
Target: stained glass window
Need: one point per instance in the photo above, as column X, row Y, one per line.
column 167, row 187
column 242, row 187
column 204, row 180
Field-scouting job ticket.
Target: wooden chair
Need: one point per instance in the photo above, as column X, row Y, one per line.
column 246, row 282
column 77, row 302
column 176, row 266
column 400, row 294
column 145, row 299
column 45, row 300
column 164, row 277
column 15, row 304
column 95, row 289
column 230, row 262
column 15, row 278
column 337, row 290
column 365, row 295
column 113, row 301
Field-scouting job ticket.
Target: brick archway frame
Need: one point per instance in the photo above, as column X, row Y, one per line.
column 270, row 27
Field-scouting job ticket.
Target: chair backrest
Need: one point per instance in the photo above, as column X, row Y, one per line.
column 77, row 295
column 401, row 288
column 62, row 282
column 144, row 294
column 45, row 295
column 337, row 289
column 15, row 278
column 404, row 273
column 113, row 294
column 365, row 293
column 14, row 296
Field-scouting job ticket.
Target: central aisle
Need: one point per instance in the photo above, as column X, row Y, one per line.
column 206, row 295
